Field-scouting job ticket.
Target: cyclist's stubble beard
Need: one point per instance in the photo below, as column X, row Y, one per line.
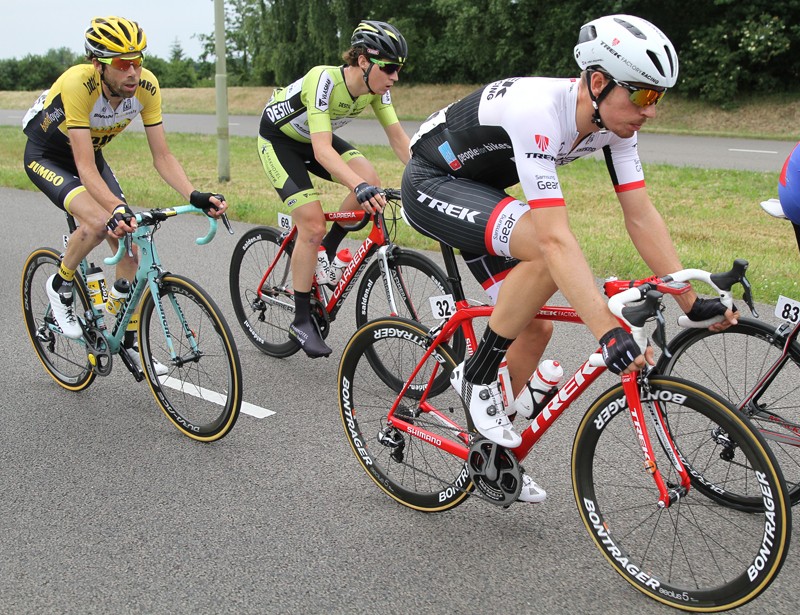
column 113, row 92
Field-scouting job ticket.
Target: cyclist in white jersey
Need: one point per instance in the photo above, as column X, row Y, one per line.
column 519, row 130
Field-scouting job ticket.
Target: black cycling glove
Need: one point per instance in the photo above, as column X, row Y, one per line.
column 706, row 309
column 364, row 192
column 619, row 349
column 202, row 200
column 122, row 213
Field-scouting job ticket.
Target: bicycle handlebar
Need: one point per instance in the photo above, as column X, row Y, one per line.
column 152, row 217
column 652, row 291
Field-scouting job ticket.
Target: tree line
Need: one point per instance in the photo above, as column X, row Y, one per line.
column 726, row 47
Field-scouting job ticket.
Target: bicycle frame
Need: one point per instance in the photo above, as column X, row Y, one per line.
column 377, row 241
column 749, row 405
column 148, row 274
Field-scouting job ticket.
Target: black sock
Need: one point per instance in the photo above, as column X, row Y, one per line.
column 332, row 240
column 58, row 282
column 302, row 306
column 481, row 368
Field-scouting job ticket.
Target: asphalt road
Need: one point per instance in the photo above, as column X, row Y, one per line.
column 704, row 152
column 106, row 508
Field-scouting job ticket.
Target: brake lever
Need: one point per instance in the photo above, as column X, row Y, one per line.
column 227, row 223
column 747, row 296
column 660, row 334
column 128, row 244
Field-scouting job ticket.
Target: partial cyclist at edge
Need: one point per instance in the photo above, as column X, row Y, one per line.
column 787, row 205
column 519, row 130
column 67, row 128
column 296, row 137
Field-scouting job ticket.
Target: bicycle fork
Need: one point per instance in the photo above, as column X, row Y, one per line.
column 668, row 495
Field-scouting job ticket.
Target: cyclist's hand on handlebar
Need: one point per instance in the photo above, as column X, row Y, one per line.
column 369, row 197
column 122, row 221
column 621, row 353
column 705, row 309
column 213, row 205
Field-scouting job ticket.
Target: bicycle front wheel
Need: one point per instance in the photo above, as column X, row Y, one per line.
column 63, row 358
column 412, row 470
column 201, row 393
column 699, row 554
column 265, row 320
column 413, row 279
column 731, row 363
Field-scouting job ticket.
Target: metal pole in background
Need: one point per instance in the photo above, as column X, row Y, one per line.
column 221, row 88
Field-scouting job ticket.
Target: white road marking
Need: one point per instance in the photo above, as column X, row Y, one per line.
column 752, row 151
column 213, row 396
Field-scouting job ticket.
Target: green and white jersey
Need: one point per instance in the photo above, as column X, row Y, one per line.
column 321, row 102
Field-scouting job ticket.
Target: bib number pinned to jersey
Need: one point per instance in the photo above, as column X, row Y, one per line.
column 788, row 309
column 442, row 306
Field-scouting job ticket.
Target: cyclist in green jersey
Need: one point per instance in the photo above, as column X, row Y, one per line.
column 296, row 138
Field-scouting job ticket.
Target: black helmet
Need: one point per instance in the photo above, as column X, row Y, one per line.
column 382, row 41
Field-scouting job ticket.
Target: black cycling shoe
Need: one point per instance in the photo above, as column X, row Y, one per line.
column 307, row 337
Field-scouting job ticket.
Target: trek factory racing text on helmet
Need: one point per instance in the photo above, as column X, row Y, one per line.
column 108, row 37
column 629, row 49
column 381, row 40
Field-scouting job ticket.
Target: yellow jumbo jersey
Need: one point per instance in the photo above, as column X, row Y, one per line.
column 76, row 101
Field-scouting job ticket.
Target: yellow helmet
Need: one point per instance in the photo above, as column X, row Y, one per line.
column 113, row 36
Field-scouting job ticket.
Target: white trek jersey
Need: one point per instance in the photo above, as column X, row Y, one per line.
column 519, row 130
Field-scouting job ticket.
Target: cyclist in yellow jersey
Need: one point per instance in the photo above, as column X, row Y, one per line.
column 68, row 127
column 296, row 138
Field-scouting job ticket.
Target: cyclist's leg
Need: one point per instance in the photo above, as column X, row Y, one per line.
column 285, row 164
column 59, row 181
column 526, row 351
column 464, row 214
column 362, row 167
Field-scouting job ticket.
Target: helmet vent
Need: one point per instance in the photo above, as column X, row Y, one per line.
column 656, row 62
column 631, row 28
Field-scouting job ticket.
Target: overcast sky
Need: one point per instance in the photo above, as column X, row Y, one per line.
column 35, row 26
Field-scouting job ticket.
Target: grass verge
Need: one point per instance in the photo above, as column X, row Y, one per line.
column 713, row 215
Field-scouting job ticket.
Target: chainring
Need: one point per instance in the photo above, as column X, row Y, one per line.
column 495, row 472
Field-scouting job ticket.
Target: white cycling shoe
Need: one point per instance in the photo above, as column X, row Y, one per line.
column 485, row 404
column 531, row 491
column 62, row 306
column 133, row 355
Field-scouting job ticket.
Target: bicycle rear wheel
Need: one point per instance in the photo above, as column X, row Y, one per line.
column 731, row 363
column 699, row 554
column 412, row 470
column 414, row 279
column 202, row 392
column 63, row 358
column 264, row 320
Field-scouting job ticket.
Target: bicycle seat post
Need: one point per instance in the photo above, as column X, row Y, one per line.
column 453, row 275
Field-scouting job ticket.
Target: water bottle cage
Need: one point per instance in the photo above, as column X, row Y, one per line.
column 547, row 395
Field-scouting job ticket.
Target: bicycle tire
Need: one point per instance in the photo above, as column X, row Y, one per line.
column 422, row 477
column 415, row 278
column 202, row 394
column 730, row 363
column 64, row 359
column 264, row 322
column 697, row 554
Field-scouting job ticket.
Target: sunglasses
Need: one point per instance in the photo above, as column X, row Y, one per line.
column 387, row 67
column 641, row 97
column 122, row 64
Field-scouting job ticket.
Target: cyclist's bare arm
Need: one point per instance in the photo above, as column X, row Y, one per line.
column 83, row 153
column 399, row 141
column 650, row 235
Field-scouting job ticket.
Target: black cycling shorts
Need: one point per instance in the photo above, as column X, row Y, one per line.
column 288, row 163
column 57, row 177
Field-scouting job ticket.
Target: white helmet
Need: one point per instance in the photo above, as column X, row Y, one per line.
column 629, row 49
